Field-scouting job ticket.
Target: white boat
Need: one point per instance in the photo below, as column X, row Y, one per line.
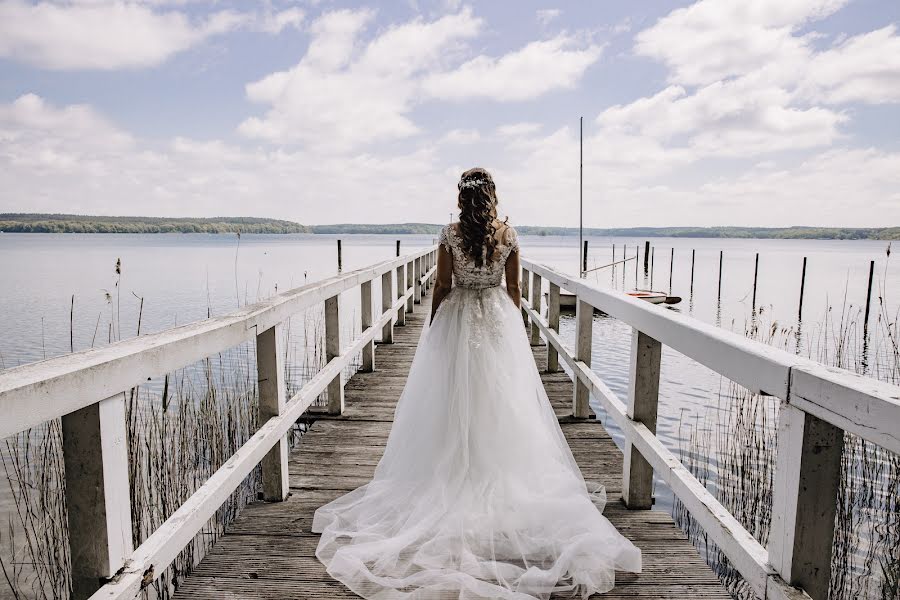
column 567, row 301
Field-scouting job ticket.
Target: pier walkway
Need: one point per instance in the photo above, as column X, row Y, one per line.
column 269, row 552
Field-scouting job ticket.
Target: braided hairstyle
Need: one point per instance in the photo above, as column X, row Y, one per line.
column 477, row 212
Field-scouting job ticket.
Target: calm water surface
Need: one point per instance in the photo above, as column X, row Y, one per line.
column 185, row 277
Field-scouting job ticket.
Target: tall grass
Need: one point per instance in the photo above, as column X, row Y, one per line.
column 732, row 451
column 180, row 430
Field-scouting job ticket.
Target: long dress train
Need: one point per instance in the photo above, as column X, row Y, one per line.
column 477, row 495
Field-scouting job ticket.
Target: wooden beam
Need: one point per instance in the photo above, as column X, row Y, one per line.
column 95, row 451
column 553, row 322
column 333, row 350
column 584, row 327
column 807, row 476
column 401, row 282
column 643, row 401
column 536, row 305
column 270, row 369
column 368, row 351
column 387, row 332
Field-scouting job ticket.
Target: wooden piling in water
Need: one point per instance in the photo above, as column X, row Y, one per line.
column 646, row 255
column 671, row 269
column 584, row 258
column 637, row 252
column 652, row 256
column 340, row 260
column 398, row 247
column 868, row 298
column 755, row 276
column 802, row 289
column 721, row 254
column 693, row 259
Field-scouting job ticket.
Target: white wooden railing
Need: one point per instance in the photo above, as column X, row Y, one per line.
column 818, row 404
column 86, row 389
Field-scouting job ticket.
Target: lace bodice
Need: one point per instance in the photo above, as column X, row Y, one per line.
column 465, row 273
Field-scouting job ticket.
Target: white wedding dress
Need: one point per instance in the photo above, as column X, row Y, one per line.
column 477, row 495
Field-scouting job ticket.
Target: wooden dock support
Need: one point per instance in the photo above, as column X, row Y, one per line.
column 584, row 329
column 387, row 300
column 95, row 452
column 333, row 350
column 340, row 257
column 410, row 283
column 365, row 321
column 401, row 281
column 526, row 286
column 271, row 385
column 643, row 402
column 807, row 476
column 417, row 281
column 536, row 305
column 553, row 322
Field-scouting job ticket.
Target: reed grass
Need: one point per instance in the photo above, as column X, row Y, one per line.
column 732, row 451
column 180, row 430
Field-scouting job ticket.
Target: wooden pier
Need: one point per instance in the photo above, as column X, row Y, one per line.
column 269, row 552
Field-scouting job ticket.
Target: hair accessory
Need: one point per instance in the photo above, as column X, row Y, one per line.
column 471, row 183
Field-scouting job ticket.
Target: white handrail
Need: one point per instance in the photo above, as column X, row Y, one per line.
column 818, row 404
column 37, row 392
column 85, row 389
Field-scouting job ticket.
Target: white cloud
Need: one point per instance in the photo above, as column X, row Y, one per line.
column 524, row 74
column 462, row 136
column 715, row 39
column 345, row 93
column 109, row 35
column 734, row 118
column 518, row 129
column 546, row 15
column 278, row 21
column 863, row 68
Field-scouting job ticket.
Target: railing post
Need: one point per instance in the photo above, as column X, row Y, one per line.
column 333, row 350
column 584, row 325
column 417, row 282
column 401, row 278
column 807, row 474
column 270, row 373
column 410, row 285
column 368, row 351
column 526, row 283
column 643, row 401
column 553, row 321
column 95, row 451
column 536, row 306
column 387, row 299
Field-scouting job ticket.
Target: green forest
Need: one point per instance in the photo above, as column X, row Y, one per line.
column 53, row 223
column 46, row 223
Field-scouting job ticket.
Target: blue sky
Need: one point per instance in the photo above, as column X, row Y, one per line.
column 716, row 112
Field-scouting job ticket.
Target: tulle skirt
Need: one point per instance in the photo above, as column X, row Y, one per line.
column 477, row 494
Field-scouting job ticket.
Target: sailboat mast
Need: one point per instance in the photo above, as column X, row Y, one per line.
column 581, row 196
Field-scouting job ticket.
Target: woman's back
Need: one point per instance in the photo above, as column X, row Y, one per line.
column 467, row 272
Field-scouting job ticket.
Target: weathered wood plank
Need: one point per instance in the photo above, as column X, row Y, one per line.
column 269, row 552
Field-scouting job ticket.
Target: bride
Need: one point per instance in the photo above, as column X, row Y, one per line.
column 477, row 495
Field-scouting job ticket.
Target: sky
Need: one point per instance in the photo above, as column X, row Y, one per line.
column 716, row 112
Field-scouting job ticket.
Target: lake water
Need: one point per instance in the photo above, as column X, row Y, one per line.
column 185, row 277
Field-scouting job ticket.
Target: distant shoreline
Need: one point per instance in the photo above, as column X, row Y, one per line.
column 54, row 223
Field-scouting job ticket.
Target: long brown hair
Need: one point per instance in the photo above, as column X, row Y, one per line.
column 477, row 212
